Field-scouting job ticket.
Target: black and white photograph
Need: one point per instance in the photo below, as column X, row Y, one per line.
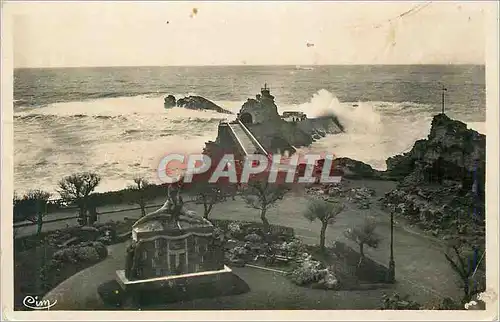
column 254, row 156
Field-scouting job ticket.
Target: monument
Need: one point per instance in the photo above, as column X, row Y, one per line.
column 172, row 246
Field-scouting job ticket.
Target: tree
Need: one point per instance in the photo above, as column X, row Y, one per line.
column 364, row 235
column 34, row 207
column 208, row 194
column 465, row 266
column 324, row 211
column 140, row 196
column 262, row 195
column 77, row 188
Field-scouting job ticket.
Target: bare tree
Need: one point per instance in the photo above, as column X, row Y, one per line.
column 77, row 188
column 262, row 195
column 465, row 266
column 208, row 194
column 35, row 207
column 324, row 211
column 364, row 235
column 140, row 193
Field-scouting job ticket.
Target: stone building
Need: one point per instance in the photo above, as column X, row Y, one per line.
column 293, row 116
column 259, row 110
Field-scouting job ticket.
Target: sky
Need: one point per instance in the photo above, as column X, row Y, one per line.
column 76, row 34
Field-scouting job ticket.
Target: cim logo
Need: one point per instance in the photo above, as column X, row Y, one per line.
column 35, row 304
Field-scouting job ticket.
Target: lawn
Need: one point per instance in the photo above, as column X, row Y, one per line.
column 37, row 270
column 268, row 291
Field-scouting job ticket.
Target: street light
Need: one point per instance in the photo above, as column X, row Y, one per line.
column 392, row 265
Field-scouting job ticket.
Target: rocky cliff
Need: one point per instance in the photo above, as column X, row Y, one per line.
column 450, row 152
column 442, row 182
column 441, row 185
column 193, row 103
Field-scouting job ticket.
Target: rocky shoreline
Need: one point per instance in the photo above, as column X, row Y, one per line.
column 441, row 182
column 193, row 103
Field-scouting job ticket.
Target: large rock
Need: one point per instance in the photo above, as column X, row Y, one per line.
column 196, row 103
column 169, row 101
column 442, row 182
column 321, row 125
column 356, row 169
column 450, row 152
column 275, row 134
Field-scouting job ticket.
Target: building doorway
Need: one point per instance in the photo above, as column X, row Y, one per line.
column 246, row 118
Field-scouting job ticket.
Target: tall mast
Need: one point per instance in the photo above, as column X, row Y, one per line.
column 442, row 99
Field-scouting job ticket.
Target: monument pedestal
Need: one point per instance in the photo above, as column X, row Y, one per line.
column 173, row 288
column 170, row 281
column 174, row 254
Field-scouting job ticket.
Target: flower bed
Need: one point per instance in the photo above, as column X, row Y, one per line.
column 40, row 269
column 43, row 261
column 337, row 268
column 239, row 229
column 310, row 272
column 107, row 233
column 245, row 242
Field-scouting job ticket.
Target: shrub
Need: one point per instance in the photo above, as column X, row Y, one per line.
column 234, row 228
column 292, row 248
column 238, row 251
column 397, row 302
column 329, row 281
column 84, row 252
column 253, row 238
column 307, row 272
column 87, row 254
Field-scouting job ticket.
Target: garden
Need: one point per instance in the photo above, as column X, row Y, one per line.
column 338, row 267
column 45, row 260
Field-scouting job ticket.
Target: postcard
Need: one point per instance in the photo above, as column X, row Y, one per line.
column 286, row 160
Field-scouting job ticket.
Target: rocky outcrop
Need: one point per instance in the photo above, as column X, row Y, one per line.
column 356, row 169
column 321, row 126
column 194, row 103
column 169, row 101
column 451, row 152
column 442, row 182
column 278, row 134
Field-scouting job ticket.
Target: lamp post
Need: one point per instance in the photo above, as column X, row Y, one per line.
column 392, row 265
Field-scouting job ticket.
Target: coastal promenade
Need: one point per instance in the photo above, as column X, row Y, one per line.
column 420, row 264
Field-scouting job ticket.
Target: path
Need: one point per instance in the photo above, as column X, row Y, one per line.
column 419, row 259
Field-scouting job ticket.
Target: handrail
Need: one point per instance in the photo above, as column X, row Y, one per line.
column 239, row 141
column 254, row 140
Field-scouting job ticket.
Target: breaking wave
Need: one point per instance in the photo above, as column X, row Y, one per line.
column 126, row 136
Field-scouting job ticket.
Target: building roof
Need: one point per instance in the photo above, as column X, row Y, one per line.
column 292, row 113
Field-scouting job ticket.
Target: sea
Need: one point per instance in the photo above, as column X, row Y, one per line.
column 111, row 120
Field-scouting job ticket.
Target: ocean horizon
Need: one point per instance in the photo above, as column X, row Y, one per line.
column 111, row 120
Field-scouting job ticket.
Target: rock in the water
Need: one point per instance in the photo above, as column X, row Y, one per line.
column 200, row 103
column 169, row 101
